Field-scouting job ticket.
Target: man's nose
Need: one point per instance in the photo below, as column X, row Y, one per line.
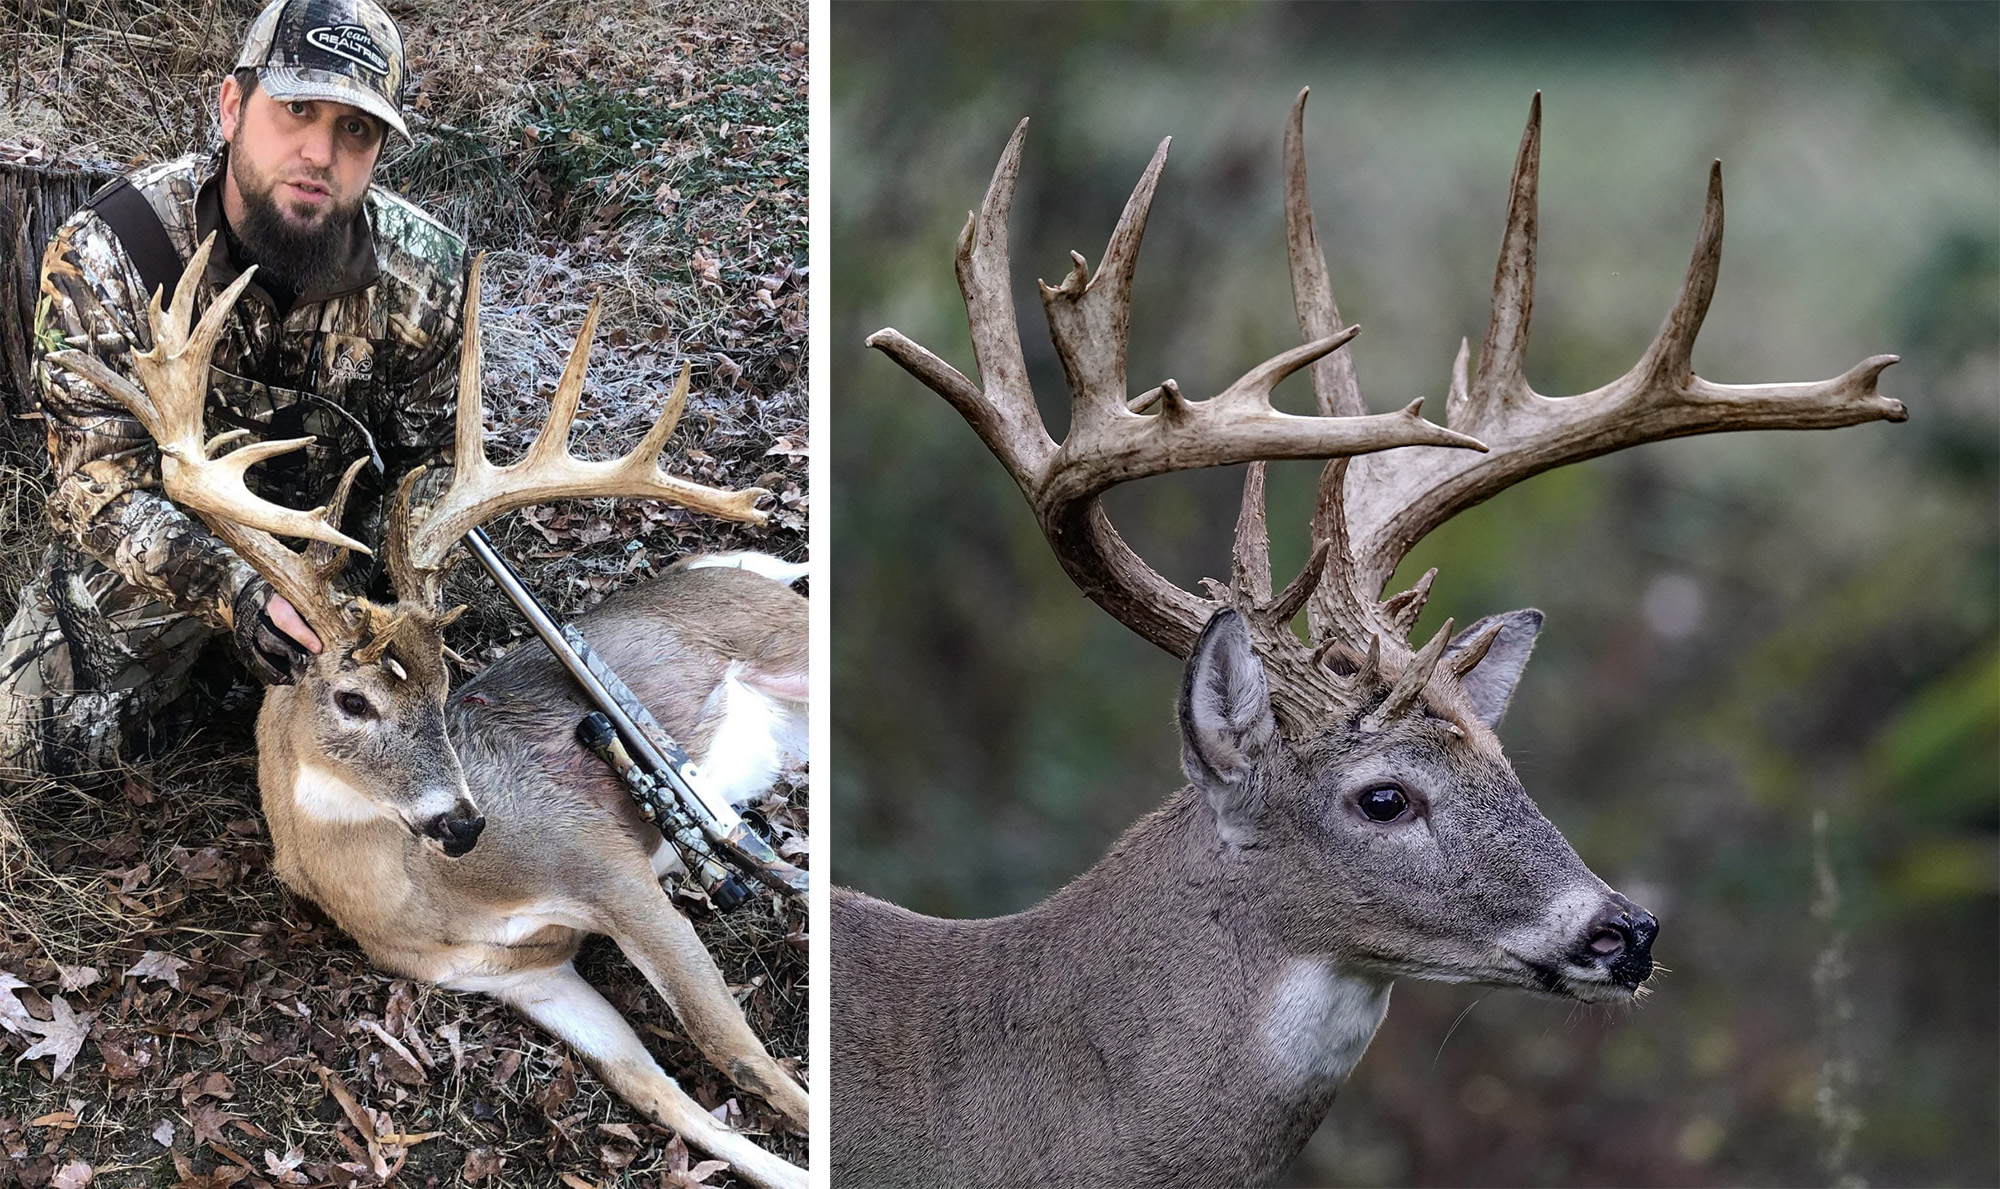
column 317, row 147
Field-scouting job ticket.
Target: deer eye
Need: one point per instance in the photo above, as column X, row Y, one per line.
column 353, row 705
column 1384, row 804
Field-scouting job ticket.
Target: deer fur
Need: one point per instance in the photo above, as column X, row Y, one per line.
column 563, row 852
column 1184, row 1012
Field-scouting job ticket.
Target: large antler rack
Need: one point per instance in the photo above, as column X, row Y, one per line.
column 419, row 541
column 168, row 401
column 1498, row 432
column 1114, row 438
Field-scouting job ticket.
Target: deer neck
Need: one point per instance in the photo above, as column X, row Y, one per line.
column 329, row 843
column 1189, row 992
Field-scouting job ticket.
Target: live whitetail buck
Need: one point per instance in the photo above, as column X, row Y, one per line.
column 466, row 839
column 1183, row 1013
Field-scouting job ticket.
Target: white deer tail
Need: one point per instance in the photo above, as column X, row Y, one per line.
column 774, row 568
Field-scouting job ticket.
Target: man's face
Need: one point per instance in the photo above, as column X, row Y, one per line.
column 297, row 169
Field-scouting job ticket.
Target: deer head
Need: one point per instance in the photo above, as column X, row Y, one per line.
column 365, row 723
column 1353, row 772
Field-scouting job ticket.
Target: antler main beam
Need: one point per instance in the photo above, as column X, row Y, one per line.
column 1112, row 438
column 1392, row 503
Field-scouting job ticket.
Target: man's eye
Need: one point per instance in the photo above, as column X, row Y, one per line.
column 297, row 107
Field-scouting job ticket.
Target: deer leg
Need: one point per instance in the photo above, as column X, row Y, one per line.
column 560, row 1001
column 664, row 947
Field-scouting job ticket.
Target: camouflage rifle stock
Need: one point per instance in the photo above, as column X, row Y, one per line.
column 649, row 760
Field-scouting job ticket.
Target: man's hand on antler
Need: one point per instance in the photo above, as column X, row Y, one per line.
column 272, row 639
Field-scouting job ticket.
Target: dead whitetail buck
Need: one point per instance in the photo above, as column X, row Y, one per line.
column 1184, row 1012
column 466, row 839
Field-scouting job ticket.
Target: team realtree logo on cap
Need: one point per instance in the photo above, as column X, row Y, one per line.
column 351, row 42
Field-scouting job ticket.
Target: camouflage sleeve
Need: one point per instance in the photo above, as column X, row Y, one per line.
column 415, row 422
column 416, row 426
column 107, row 496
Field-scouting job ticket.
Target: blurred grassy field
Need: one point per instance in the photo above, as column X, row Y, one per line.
column 1747, row 633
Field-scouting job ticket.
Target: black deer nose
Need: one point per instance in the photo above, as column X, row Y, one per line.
column 456, row 834
column 1622, row 940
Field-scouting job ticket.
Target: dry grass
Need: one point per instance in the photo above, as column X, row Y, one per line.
column 693, row 232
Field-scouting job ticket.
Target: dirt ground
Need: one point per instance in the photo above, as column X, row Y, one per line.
column 194, row 1025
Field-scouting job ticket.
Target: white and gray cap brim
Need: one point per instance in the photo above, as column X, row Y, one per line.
column 287, row 83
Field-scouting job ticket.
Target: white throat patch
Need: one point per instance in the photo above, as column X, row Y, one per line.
column 324, row 797
column 1317, row 1021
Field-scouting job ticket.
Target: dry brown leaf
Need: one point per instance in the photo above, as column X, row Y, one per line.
column 76, row 978
column 560, row 1090
column 11, row 1012
column 285, row 1169
column 61, row 1037
column 74, row 1175
column 207, row 1119
column 407, row 1140
column 197, row 1086
column 161, row 967
column 481, row 1163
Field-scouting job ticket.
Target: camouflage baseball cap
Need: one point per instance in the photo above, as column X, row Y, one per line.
column 345, row 51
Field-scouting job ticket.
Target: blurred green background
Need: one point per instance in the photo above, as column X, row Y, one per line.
column 1748, row 634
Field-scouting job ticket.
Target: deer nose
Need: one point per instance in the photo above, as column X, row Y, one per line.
column 1621, row 941
column 456, row 834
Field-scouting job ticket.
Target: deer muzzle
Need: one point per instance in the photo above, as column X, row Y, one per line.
column 456, row 832
column 1620, row 941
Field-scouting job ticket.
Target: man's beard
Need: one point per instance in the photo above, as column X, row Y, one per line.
column 291, row 256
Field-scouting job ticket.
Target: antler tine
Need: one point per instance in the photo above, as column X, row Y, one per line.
column 1395, row 502
column 1475, row 650
column 1004, row 413
column 1411, row 682
column 1090, row 317
column 553, row 440
column 1334, row 607
column 480, row 491
column 1335, row 386
column 656, row 437
column 327, row 561
column 1251, row 557
column 984, row 276
column 1669, row 361
column 469, row 443
column 1501, row 379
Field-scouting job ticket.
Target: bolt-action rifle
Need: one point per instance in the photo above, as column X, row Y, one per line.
column 704, row 828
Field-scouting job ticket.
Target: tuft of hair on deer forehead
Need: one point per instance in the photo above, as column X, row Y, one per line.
column 405, row 642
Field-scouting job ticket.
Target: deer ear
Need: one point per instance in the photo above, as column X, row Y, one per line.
column 1490, row 684
column 1225, row 713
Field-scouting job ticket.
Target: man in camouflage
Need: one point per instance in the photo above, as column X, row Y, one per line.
column 348, row 333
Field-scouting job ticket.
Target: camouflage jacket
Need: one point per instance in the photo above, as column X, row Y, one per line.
column 369, row 363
